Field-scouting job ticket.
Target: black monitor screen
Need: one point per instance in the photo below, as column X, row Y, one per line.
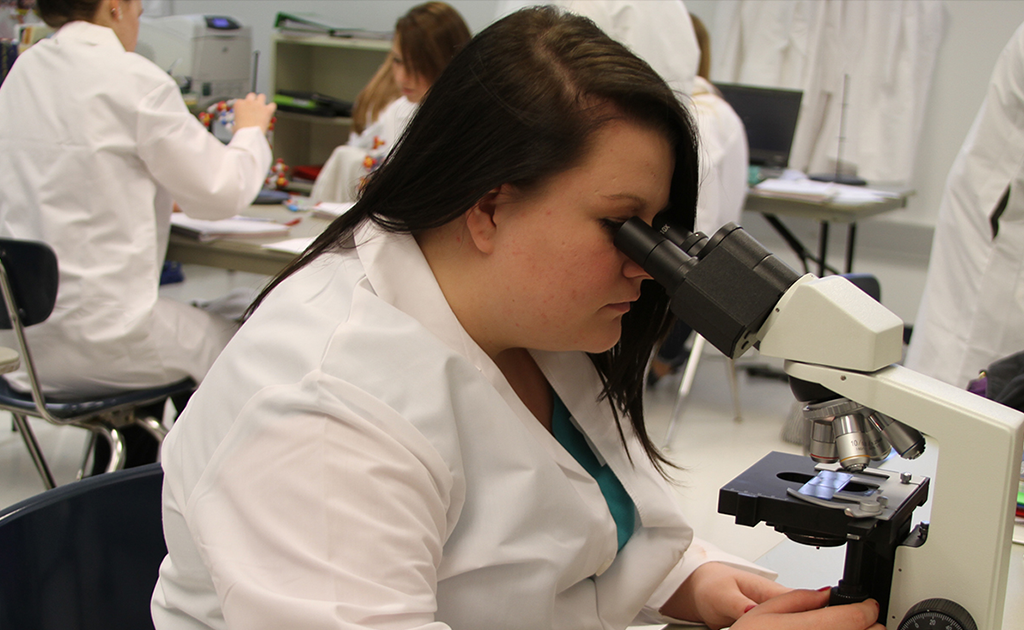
column 769, row 115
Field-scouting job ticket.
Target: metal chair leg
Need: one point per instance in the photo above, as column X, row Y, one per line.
column 684, row 386
column 734, row 386
column 33, row 449
column 87, row 456
column 153, row 426
column 116, row 442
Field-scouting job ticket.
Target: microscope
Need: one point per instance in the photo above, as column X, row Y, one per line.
column 840, row 348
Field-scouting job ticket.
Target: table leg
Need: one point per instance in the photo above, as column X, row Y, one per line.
column 798, row 248
column 851, row 240
column 822, row 248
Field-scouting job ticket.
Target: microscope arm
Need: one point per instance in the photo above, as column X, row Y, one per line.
column 832, row 334
column 966, row 557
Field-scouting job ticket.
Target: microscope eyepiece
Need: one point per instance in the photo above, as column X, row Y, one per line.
column 723, row 287
column 660, row 257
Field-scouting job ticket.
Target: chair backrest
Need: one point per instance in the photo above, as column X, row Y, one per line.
column 31, row 269
column 866, row 282
column 85, row 555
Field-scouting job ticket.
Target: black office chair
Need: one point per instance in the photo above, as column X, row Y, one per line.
column 84, row 556
column 28, row 282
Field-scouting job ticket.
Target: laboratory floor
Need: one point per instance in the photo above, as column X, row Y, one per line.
column 709, row 445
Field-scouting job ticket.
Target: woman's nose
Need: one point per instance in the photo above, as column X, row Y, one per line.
column 632, row 270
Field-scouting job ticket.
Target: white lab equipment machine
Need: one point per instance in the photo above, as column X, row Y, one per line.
column 210, row 56
column 841, row 349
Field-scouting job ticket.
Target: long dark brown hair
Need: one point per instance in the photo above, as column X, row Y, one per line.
column 57, row 13
column 518, row 106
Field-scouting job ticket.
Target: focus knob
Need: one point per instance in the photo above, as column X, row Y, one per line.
column 937, row 614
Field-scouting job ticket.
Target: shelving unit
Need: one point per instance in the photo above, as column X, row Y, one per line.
column 333, row 66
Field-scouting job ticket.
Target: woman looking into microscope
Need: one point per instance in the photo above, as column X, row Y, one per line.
column 445, row 429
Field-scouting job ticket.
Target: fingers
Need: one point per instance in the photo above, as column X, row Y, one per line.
column 802, row 610
column 253, row 111
column 795, row 601
column 760, row 589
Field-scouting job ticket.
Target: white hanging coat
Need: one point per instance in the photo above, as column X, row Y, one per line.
column 972, row 310
column 355, row 460
column 888, row 49
column 724, row 159
column 95, row 146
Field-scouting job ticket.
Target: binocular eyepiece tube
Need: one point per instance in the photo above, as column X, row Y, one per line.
column 723, row 287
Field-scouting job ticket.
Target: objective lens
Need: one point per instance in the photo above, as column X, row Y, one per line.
column 851, row 446
column 878, row 447
column 823, row 445
column 908, row 442
column 823, row 436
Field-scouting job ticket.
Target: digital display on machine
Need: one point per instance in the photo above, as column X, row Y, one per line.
column 221, row 23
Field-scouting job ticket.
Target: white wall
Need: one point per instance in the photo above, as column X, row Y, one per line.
column 895, row 246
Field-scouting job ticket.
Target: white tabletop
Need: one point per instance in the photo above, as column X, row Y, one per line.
column 9, row 360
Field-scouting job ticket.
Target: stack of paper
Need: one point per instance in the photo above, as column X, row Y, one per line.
column 800, row 189
column 291, row 245
column 235, row 227
column 332, row 210
column 821, row 192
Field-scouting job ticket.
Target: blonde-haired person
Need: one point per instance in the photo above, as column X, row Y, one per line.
column 380, row 91
column 426, row 38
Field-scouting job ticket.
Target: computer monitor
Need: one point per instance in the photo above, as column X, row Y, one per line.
column 769, row 115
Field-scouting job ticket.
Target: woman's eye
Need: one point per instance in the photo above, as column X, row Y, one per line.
column 612, row 225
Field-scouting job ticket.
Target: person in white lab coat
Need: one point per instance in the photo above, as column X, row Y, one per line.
column 426, row 38
column 972, row 310
column 724, row 162
column 659, row 32
column 96, row 145
column 433, row 418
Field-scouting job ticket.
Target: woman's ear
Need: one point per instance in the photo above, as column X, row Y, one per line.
column 483, row 218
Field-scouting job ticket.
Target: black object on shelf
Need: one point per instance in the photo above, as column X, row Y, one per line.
column 312, row 103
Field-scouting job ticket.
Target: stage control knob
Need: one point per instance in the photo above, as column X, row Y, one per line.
column 937, row 614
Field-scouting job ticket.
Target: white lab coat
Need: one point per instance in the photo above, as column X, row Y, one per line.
column 972, row 310
column 95, row 145
column 355, row 460
column 658, row 31
column 723, row 157
column 342, row 174
column 888, row 49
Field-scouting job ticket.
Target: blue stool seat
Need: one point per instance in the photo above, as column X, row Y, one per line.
column 82, row 408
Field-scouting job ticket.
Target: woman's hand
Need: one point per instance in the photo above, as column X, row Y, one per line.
column 253, row 111
column 717, row 594
column 803, row 610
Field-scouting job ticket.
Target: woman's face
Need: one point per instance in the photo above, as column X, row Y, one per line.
column 569, row 286
column 413, row 86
